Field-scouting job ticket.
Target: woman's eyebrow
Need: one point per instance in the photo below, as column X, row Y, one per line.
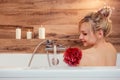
column 83, row 31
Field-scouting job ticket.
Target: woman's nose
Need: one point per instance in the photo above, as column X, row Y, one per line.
column 80, row 37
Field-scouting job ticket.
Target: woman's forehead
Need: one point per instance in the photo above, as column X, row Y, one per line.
column 85, row 26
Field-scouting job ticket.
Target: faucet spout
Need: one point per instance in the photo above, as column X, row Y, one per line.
column 29, row 64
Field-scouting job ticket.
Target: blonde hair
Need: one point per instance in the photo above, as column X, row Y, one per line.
column 99, row 20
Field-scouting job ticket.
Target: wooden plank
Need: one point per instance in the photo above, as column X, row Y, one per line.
column 59, row 17
column 35, row 13
column 28, row 46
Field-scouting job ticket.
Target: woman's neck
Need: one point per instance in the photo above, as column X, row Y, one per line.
column 100, row 43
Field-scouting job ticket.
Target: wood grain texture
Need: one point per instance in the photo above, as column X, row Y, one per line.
column 28, row 46
column 59, row 17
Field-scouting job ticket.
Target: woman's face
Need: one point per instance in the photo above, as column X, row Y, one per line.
column 86, row 34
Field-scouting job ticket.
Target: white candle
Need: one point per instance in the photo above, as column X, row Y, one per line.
column 29, row 35
column 18, row 33
column 41, row 33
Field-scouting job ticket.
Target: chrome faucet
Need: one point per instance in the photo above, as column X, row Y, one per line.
column 52, row 46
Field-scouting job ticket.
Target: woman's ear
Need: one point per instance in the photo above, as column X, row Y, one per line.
column 100, row 33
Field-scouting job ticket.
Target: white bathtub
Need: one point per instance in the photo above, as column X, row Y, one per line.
column 22, row 60
column 14, row 67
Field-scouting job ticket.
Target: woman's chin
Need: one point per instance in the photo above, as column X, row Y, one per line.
column 85, row 45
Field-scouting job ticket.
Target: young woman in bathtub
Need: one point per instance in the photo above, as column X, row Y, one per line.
column 94, row 28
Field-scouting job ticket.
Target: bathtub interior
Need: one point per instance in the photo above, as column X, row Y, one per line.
column 22, row 60
column 39, row 60
column 118, row 60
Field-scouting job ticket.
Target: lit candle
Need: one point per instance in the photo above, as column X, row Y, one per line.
column 29, row 34
column 18, row 33
column 41, row 33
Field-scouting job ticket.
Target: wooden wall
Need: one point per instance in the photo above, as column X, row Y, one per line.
column 59, row 17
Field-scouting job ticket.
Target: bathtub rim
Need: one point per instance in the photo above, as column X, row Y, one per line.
column 67, row 72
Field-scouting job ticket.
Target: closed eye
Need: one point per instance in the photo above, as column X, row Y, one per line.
column 84, row 34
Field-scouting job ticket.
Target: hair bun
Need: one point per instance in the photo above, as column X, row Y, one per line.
column 105, row 12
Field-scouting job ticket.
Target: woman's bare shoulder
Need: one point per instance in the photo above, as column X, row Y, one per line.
column 111, row 47
column 88, row 51
column 91, row 55
column 88, row 57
